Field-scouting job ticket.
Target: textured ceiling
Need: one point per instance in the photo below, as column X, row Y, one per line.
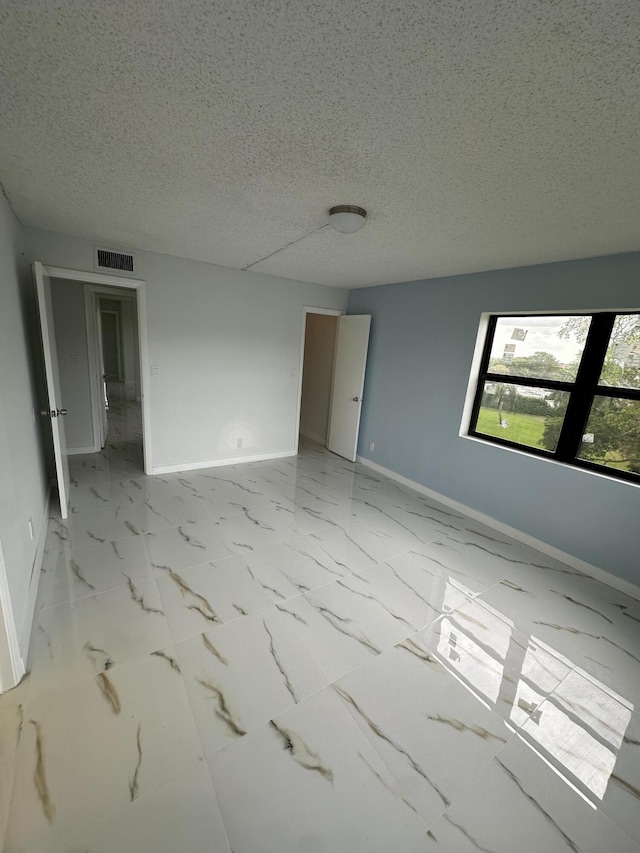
column 478, row 133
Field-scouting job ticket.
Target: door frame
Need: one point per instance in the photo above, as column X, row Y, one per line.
column 309, row 309
column 139, row 287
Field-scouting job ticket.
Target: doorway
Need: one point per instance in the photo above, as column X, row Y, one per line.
column 83, row 406
column 317, row 376
column 333, row 359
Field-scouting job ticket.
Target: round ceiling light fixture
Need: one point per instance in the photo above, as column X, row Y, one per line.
column 347, row 218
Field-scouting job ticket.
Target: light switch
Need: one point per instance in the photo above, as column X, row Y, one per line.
column 74, row 358
column 154, row 369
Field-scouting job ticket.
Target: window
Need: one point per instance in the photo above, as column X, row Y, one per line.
column 564, row 387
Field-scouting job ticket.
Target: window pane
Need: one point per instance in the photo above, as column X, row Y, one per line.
column 529, row 416
column 540, row 347
column 622, row 363
column 612, row 437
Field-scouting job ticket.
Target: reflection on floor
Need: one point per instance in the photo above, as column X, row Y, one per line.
column 300, row 655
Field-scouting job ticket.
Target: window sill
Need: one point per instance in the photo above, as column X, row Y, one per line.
column 535, row 458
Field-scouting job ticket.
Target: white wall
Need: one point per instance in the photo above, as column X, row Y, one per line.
column 226, row 344
column 73, row 362
column 319, row 349
column 23, row 481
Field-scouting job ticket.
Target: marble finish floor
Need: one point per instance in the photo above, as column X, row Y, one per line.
column 300, row 655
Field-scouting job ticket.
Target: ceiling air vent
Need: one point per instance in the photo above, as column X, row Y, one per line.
column 111, row 259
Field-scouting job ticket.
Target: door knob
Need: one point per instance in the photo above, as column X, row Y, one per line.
column 356, row 399
column 53, row 413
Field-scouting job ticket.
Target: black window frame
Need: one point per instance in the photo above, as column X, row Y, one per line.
column 582, row 391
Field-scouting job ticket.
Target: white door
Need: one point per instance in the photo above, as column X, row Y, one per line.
column 56, row 411
column 348, row 381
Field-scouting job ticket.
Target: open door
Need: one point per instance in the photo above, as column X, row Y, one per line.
column 55, row 411
column 348, row 381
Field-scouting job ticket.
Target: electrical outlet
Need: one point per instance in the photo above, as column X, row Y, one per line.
column 154, row 369
column 74, row 358
column 371, row 446
column 239, row 443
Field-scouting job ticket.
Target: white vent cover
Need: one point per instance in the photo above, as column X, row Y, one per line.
column 113, row 259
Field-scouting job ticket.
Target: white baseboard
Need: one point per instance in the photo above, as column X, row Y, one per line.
column 551, row 551
column 76, row 451
column 313, row 436
column 219, row 463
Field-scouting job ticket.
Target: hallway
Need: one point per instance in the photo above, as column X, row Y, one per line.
column 301, row 655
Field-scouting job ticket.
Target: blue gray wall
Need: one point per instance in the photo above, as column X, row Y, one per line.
column 422, row 343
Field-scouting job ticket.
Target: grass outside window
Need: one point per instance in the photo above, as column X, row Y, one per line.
column 564, row 387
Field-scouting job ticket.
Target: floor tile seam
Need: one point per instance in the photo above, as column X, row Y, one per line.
column 92, row 826
column 96, row 593
column 332, row 490
column 217, row 626
column 548, row 698
column 225, row 829
column 103, row 483
column 77, row 680
column 287, row 538
column 524, row 731
column 69, row 549
column 328, row 683
column 194, row 719
column 260, row 725
column 70, row 555
column 489, row 588
column 72, row 551
column 620, row 829
column 395, row 616
column 111, row 506
column 601, row 808
column 318, row 664
column 316, row 589
column 353, row 724
column 69, row 604
column 106, row 476
column 414, row 542
column 276, row 602
column 275, row 505
column 445, row 670
column 218, row 518
column 468, row 782
column 358, row 573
